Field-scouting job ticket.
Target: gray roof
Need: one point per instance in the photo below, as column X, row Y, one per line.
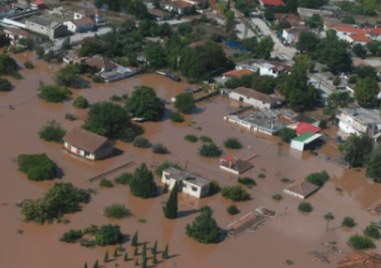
column 40, row 20
column 362, row 115
column 181, row 175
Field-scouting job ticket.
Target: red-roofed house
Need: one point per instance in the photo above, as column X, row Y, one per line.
column 374, row 33
column 271, row 3
column 349, row 33
column 361, row 39
column 38, row 4
column 303, row 127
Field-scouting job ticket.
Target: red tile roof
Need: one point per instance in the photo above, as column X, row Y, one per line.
column 349, row 29
column 83, row 21
column 272, row 2
column 238, row 73
column 303, row 127
column 85, row 140
column 375, row 31
column 360, row 38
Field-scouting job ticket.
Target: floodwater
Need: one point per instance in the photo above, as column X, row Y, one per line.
column 290, row 235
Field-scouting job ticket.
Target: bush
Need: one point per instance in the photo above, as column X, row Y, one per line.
column 176, row 117
column 184, row 103
column 287, row 134
column 142, row 183
column 106, row 183
column 232, row 143
column 249, row 182
column 318, row 178
column 210, row 150
column 52, row 132
column 123, row 178
column 97, row 79
column 191, row 138
column 305, row 207
column 53, row 93
column 233, row 210
column 108, row 235
column 5, row 85
column 235, row 193
column 277, row 197
column 166, row 164
column 70, row 117
column 262, row 175
column 38, row 167
column 115, row 98
column 141, row 142
column 116, row 211
column 159, row 149
column 359, row 242
column 348, row 222
column 285, row 180
column 372, row 231
column 71, row 236
column 214, row 187
column 28, row 64
column 204, row 228
column 80, row 102
column 206, row 139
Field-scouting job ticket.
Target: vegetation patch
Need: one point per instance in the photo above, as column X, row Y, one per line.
column 5, row 85
column 116, row 211
column 318, row 178
column 287, row 134
column 232, row 143
column 210, row 150
column 164, row 165
column 141, row 142
column 80, row 102
column 262, row 175
column 249, row 182
column 37, row 167
column 52, row 131
column 159, row 149
column 53, row 93
column 232, row 210
column 305, row 207
column 348, row 222
column 206, row 139
column 359, row 242
column 204, row 228
column 277, row 197
column 235, row 193
column 372, row 231
column 123, row 178
column 191, row 138
column 142, row 183
column 176, row 117
column 106, row 183
column 184, row 103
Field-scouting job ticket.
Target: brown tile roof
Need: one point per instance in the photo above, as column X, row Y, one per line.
column 83, row 21
column 100, row 62
column 87, row 12
column 84, row 139
column 360, row 259
column 303, row 188
column 293, row 19
column 17, row 31
column 249, row 92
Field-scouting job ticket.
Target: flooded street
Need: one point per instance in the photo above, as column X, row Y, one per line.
column 290, row 235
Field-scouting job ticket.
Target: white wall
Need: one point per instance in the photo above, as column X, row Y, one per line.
column 247, row 100
column 297, row 145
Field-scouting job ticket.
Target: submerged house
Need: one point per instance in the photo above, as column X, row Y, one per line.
column 301, row 189
column 255, row 98
column 188, row 183
column 233, row 165
column 88, row 145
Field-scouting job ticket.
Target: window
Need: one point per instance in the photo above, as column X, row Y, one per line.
column 194, row 189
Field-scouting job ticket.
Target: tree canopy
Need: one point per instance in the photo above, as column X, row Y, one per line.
column 260, row 49
column 170, row 208
column 53, row 93
column 69, row 77
column 8, row 66
column 145, row 103
column 107, row 119
column 374, row 166
column 366, row 91
column 52, row 131
column 156, row 55
column 37, row 167
column 204, row 228
column 142, row 183
column 184, row 103
column 356, row 149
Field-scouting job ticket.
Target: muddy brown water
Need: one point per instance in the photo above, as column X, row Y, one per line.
column 290, row 235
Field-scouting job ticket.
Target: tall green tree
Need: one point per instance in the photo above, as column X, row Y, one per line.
column 184, row 102
column 156, row 55
column 264, row 48
column 134, row 240
column 107, row 119
column 145, row 103
column 308, row 42
column 204, row 228
column 366, row 91
column 170, row 209
column 356, row 149
column 374, row 167
column 69, row 76
column 142, row 183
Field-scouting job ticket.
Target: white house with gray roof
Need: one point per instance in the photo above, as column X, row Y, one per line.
column 188, row 183
column 44, row 26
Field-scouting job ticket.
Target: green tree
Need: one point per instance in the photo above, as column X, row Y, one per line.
column 373, row 169
column 170, row 209
column 5, row 85
column 156, row 55
column 287, row 134
column 96, row 264
column 108, row 235
column 145, row 103
column 359, row 50
column 105, row 258
column 37, row 167
column 52, row 131
column 154, row 248
column 142, row 183
column 69, row 76
column 53, row 93
column 71, row 236
column 210, row 150
column 315, row 22
column 232, row 143
column 348, row 222
column 107, row 119
column 116, row 211
column 85, row 265
column 80, row 102
column 235, row 193
column 356, row 149
column 165, row 253
column 204, row 228
column 318, row 178
column 305, row 207
column 125, row 257
column 372, row 231
column 337, row 100
column 359, row 242
column 328, row 217
column 312, row 3
column 264, row 48
column 184, row 103
column 366, row 91
column 307, row 42
column 134, row 240
column 8, row 66
column 366, row 72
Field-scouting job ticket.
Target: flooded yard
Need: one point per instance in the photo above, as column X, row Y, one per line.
column 289, row 235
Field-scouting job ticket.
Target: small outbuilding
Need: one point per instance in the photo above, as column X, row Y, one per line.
column 255, row 98
column 188, row 183
column 360, row 259
column 88, row 145
column 300, row 142
column 233, row 165
column 301, row 189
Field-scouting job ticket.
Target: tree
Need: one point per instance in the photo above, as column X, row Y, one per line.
column 359, row 50
column 142, row 183
column 5, row 85
column 165, row 253
column 134, row 240
column 359, row 242
column 366, row 91
column 372, row 231
column 69, row 76
column 116, row 211
column 105, row 258
column 52, row 131
column 80, row 102
column 232, row 210
column 53, row 93
column 85, row 265
column 366, row 72
column 232, row 143
column 37, row 167
column 116, row 253
column 348, row 222
column 107, row 119
column 328, row 217
column 108, row 235
column 66, row 44
column 71, row 236
column 96, row 264
column 170, row 209
column 184, row 103
column 154, row 248
column 210, row 150
column 125, row 257
column 164, row 165
column 204, row 228
column 264, row 48
column 8, row 66
column 287, row 134
column 305, row 207
column 145, row 103
column 141, row 142
column 373, row 169
column 315, row 22
column 62, row 198
column 337, row 100
column 156, row 55
column 356, row 149
column 308, row 42
column 235, row 193
column 312, row 3
column 318, row 178
column 159, row 148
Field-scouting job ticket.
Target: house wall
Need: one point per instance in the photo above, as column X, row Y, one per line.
column 34, row 27
column 229, row 170
column 344, row 36
column 104, row 151
column 70, row 26
column 58, row 31
column 297, row 145
column 290, row 38
column 349, row 125
column 101, row 153
column 185, row 186
column 245, row 99
column 288, row 192
column 78, row 16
